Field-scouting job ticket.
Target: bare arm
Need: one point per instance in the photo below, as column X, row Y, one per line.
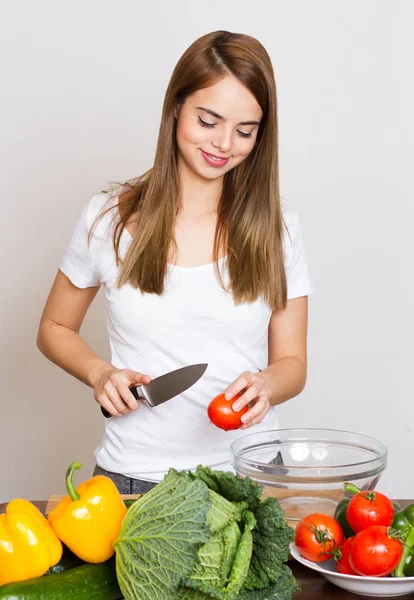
column 59, row 340
column 285, row 377
column 286, row 373
column 58, row 337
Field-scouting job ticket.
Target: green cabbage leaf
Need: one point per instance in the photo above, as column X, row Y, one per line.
column 203, row 535
column 160, row 536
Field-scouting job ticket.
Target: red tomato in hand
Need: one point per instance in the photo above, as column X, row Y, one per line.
column 222, row 415
column 342, row 558
column 317, row 535
column 369, row 508
column 374, row 553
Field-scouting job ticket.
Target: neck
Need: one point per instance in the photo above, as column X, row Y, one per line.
column 198, row 195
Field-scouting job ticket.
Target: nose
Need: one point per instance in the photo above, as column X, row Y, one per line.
column 222, row 140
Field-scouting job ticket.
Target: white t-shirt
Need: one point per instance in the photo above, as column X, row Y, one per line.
column 194, row 321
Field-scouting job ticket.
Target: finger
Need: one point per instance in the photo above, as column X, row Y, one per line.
column 113, row 395
column 248, row 396
column 104, row 401
column 127, row 396
column 135, row 378
column 242, row 382
column 251, row 422
column 118, row 385
column 257, row 409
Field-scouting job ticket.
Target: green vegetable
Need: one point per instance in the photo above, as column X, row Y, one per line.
column 284, row 590
column 409, row 565
column 207, row 576
column 203, row 535
column 271, row 536
column 340, row 516
column 68, row 561
column 130, row 501
column 160, row 536
column 404, row 523
column 87, row 582
column 271, row 539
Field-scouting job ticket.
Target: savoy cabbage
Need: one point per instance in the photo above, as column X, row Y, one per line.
column 203, row 535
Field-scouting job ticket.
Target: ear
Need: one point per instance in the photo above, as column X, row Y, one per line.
column 177, row 110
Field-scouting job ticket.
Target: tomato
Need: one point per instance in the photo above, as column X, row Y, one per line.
column 222, row 415
column 342, row 557
column 374, row 552
column 317, row 535
column 369, row 508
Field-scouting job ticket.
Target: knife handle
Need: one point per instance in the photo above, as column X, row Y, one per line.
column 135, row 391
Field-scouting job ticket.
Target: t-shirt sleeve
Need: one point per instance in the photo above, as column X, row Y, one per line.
column 298, row 278
column 77, row 263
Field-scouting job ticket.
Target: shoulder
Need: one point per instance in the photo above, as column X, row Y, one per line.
column 100, row 213
column 291, row 220
column 97, row 205
column 292, row 234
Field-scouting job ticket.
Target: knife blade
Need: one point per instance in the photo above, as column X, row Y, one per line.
column 166, row 386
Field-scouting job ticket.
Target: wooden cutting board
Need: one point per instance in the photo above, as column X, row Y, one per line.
column 54, row 500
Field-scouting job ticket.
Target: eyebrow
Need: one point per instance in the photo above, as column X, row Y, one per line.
column 214, row 114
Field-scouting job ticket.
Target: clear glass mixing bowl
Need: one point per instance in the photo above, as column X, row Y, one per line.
column 305, row 469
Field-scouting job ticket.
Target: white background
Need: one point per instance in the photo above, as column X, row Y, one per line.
column 82, row 85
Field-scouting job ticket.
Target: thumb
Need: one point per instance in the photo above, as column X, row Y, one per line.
column 136, row 378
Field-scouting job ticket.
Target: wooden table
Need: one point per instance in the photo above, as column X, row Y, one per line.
column 312, row 585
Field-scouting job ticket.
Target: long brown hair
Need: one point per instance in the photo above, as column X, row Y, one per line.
column 249, row 221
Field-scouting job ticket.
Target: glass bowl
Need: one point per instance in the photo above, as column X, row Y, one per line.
column 305, row 469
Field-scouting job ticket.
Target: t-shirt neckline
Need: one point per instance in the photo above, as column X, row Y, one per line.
column 181, row 267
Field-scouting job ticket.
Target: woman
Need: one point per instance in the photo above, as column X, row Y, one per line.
column 201, row 263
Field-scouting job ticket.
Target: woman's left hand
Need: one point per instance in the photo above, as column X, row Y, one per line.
column 255, row 392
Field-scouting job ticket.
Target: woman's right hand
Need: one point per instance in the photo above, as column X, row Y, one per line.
column 112, row 391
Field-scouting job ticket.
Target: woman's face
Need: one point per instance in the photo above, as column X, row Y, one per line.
column 217, row 128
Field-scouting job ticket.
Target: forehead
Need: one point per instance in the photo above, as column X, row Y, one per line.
column 229, row 98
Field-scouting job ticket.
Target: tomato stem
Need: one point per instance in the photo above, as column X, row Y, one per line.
column 322, row 535
column 394, row 534
column 336, row 553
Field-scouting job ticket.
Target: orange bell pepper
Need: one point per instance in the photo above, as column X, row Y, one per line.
column 89, row 519
column 28, row 544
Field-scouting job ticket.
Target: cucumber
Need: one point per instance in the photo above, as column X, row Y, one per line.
column 68, row 561
column 87, row 582
column 129, row 502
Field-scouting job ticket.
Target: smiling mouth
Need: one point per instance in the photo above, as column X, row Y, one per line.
column 215, row 157
column 214, row 160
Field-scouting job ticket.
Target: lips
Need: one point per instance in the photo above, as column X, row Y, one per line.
column 213, row 160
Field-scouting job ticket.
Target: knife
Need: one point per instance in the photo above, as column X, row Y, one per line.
column 166, row 386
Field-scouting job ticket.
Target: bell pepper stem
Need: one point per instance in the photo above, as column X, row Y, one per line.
column 73, row 494
column 351, row 488
column 408, row 545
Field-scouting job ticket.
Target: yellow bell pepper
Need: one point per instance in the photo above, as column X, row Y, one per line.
column 28, row 544
column 89, row 519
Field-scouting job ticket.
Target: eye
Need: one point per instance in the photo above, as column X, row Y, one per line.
column 244, row 135
column 205, row 124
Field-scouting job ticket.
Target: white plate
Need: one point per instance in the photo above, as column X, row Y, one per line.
column 365, row 586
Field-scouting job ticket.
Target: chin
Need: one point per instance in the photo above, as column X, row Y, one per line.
column 211, row 176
